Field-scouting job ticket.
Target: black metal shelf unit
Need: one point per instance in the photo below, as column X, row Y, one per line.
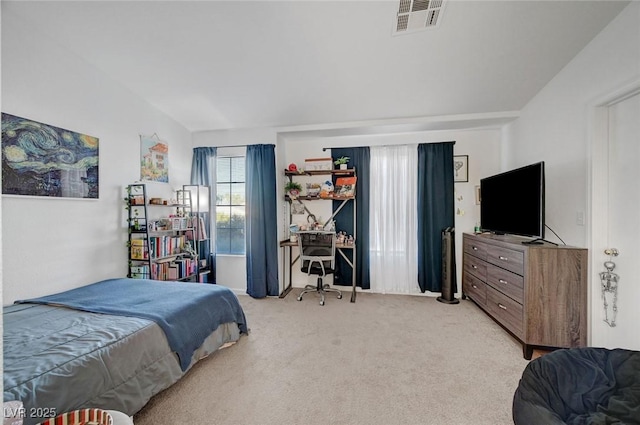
column 159, row 248
column 200, row 198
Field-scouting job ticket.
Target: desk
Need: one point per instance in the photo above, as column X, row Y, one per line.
column 340, row 248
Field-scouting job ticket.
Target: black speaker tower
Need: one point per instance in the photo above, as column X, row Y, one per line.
column 449, row 280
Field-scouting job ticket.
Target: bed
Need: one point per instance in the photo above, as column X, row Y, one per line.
column 580, row 386
column 113, row 344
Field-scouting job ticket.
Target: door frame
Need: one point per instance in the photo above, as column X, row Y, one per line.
column 598, row 172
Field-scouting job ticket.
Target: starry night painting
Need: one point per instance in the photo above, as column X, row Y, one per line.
column 42, row 160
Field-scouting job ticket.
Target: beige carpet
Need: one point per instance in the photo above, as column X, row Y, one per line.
column 386, row 359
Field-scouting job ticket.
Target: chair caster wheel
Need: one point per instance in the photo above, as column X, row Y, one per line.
column 299, row 298
column 340, row 296
column 321, row 302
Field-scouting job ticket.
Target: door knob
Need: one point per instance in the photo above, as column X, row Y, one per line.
column 611, row 251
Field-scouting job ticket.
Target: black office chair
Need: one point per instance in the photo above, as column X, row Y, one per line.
column 318, row 256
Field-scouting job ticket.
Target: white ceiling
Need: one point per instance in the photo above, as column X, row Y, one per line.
column 319, row 64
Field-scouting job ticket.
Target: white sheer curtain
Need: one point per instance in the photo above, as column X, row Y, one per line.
column 393, row 219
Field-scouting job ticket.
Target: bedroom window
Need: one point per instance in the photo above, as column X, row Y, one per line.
column 393, row 221
column 230, row 205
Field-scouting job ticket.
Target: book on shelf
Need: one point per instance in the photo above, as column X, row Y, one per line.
column 172, row 272
column 140, row 272
column 202, row 229
column 345, row 187
column 163, row 246
column 139, row 249
column 175, row 269
column 197, row 223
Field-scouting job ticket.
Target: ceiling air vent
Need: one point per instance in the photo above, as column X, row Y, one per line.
column 414, row 15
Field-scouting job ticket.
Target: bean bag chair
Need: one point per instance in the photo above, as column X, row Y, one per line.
column 580, row 386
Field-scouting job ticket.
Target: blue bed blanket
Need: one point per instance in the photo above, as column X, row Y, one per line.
column 186, row 312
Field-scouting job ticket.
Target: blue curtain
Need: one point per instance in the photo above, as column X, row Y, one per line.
column 203, row 173
column 359, row 158
column 435, row 210
column 261, row 221
column 201, row 170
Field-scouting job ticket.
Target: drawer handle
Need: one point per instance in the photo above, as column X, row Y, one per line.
column 501, row 306
column 503, row 281
column 473, row 266
column 475, row 248
column 503, row 258
column 474, row 286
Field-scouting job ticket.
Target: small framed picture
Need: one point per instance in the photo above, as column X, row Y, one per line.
column 460, row 168
column 297, row 208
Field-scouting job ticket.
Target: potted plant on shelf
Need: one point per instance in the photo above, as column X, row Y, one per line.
column 293, row 188
column 342, row 162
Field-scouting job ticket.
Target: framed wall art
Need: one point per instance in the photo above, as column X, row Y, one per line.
column 42, row 160
column 154, row 159
column 461, row 168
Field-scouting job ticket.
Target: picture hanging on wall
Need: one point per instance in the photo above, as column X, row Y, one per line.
column 461, row 168
column 42, row 160
column 297, row 208
column 154, row 159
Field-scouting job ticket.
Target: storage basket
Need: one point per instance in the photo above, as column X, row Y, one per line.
column 313, row 189
column 318, row 164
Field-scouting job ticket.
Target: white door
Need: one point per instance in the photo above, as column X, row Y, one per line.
column 620, row 219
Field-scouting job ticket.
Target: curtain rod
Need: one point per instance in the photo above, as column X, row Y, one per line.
column 323, row 149
column 398, row 144
column 224, row 146
column 235, row 146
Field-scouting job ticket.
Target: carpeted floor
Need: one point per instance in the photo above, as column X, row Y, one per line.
column 386, row 359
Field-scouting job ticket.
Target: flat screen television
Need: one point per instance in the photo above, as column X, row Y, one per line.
column 513, row 202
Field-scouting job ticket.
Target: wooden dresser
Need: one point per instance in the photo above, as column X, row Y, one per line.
column 537, row 292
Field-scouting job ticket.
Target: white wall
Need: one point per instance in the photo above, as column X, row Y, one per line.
column 56, row 244
column 481, row 145
column 555, row 126
column 238, row 137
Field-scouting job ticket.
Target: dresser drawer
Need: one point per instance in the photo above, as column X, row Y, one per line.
column 475, row 266
column 509, row 259
column 475, row 248
column 474, row 288
column 506, row 311
column 508, row 283
column 552, row 311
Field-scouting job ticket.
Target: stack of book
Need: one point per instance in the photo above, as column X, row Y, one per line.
column 162, row 246
column 179, row 268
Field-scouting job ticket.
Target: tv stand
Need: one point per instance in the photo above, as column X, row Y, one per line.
column 538, row 241
column 538, row 293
